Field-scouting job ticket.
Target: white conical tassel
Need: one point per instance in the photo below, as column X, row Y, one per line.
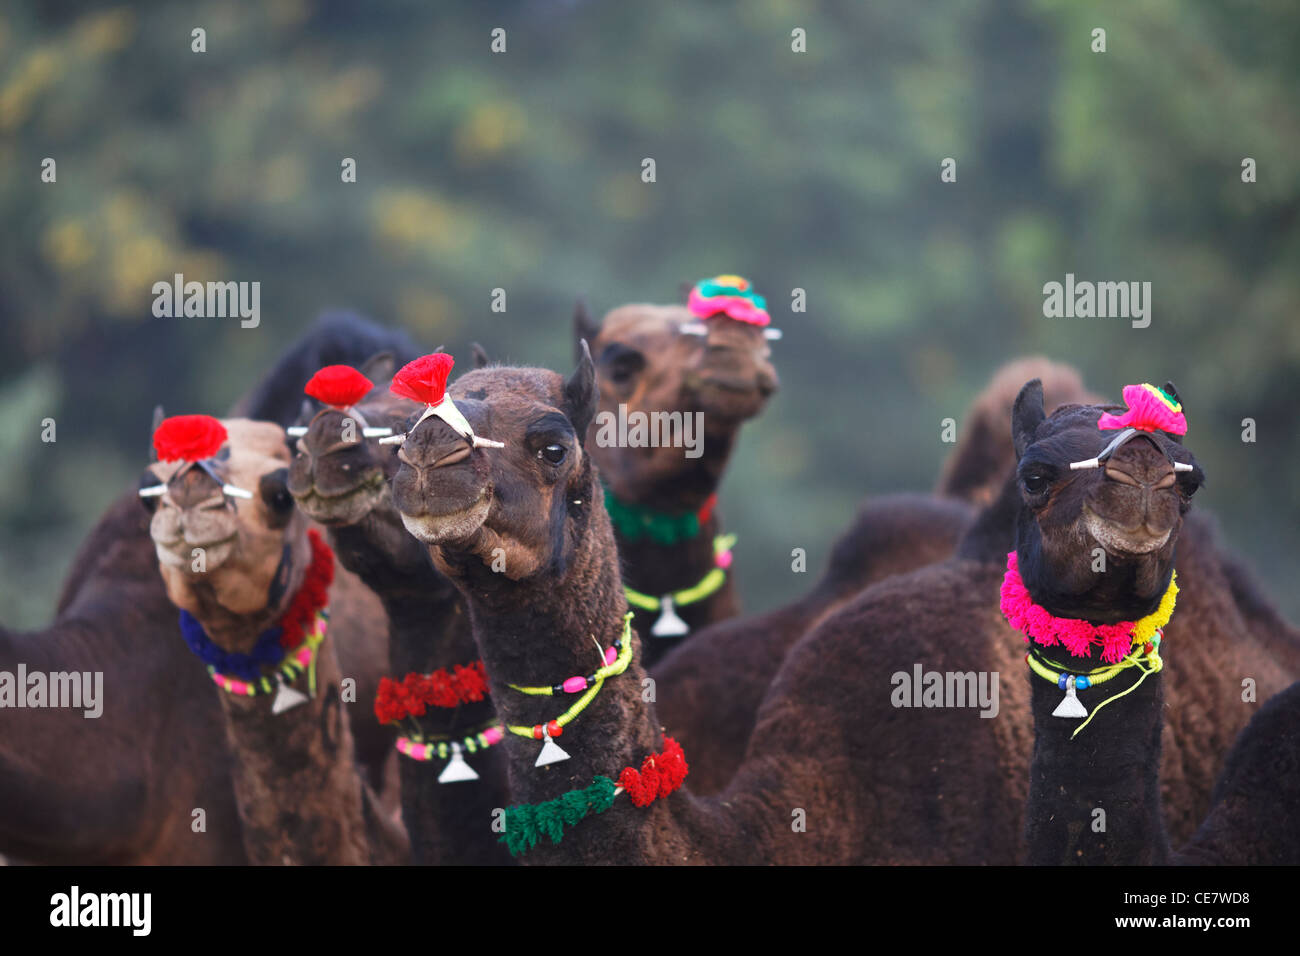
column 669, row 624
column 551, row 752
column 286, row 698
column 1070, row 706
column 457, row 769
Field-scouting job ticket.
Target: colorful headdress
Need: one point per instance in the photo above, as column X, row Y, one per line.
column 732, row 296
column 194, row 440
column 340, row 387
column 425, row 380
column 1150, row 409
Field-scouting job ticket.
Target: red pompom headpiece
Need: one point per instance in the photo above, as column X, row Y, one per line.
column 340, row 386
column 188, row 438
column 425, row 379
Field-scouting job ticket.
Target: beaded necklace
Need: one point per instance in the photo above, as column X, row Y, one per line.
column 426, row 748
column 668, row 623
column 616, row 657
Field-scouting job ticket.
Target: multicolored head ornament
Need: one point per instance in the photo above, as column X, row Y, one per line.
column 425, row 380
column 193, row 440
column 340, row 387
column 732, row 296
column 1150, row 409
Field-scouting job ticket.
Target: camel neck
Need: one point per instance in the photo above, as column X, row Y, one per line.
column 1095, row 798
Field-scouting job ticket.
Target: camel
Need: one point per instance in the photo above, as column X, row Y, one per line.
column 892, row 534
column 262, row 605
column 340, row 479
column 691, row 364
column 837, row 769
column 952, row 790
column 57, row 766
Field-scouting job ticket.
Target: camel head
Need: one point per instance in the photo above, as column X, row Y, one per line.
column 1082, row 487
column 228, row 538
column 340, row 470
column 518, row 508
column 665, row 359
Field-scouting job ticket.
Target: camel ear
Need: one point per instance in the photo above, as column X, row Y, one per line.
column 1173, row 392
column 306, row 411
column 158, row 416
column 481, row 359
column 1026, row 415
column 580, row 392
column 585, row 328
column 379, row 367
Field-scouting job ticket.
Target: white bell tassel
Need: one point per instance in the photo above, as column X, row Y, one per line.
column 669, row 624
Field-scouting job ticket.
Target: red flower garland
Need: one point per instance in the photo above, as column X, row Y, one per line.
column 312, row 595
column 425, row 379
column 660, row 775
column 188, row 438
column 339, row 386
column 413, row 695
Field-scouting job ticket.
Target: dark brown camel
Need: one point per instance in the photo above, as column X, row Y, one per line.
column 235, row 565
column 649, row 362
column 893, row 534
column 952, row 781
column 341, row 480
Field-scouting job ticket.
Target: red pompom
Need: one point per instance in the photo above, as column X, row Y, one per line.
column 188, row 438
column 425, row 379
column 339, row 385
column 659, row 776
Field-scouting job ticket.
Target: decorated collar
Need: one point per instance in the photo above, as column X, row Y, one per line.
column 425, row 380
column 614, row 661
column 1079, row 637
column 301, row 620
column 635, row 522
column 660, row 775
column 193, row 440
column 668, row 623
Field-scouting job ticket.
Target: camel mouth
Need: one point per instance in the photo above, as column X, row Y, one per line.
column 449, row 526
column 1120, row 541
column 345, row 508
column 179, row 554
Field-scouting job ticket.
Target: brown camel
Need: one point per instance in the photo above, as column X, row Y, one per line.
column 85, row 791
column 837, row 770
column 893, row 534
column 260, row 603
column 340, row 478
column 664, row 363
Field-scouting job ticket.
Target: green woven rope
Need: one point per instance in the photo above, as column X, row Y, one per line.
column 527, row 823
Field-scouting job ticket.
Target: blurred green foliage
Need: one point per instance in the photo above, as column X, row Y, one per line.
column 520, row 170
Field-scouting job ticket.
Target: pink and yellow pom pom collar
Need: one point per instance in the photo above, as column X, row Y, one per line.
column 1079, row 637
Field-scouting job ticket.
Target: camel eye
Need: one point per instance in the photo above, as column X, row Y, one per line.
column 1034, row 484
column 274, row 490
column 552, row 453
column 622, row 364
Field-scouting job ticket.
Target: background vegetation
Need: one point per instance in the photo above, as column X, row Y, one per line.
column 817, row 170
